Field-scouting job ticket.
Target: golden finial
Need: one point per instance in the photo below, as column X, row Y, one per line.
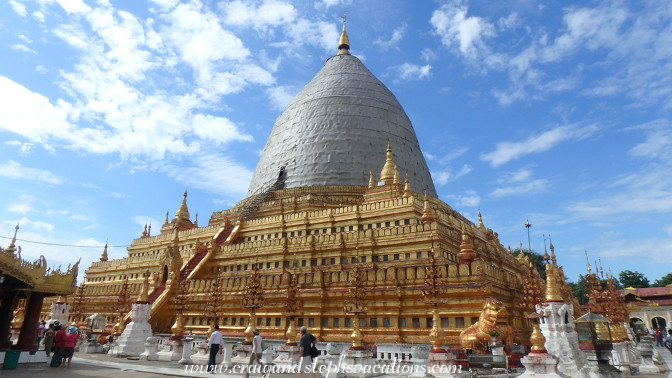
column 103, row 257
column 144, row 232
column 182, row 211
column 552, row 290
column 144, row 291
column 427, row 216
column 396, row 180
column 387, row 174
column 480, row 221
column 12, row 245
column 537, row 339
column 466, row 253
column 166, row 221
column 601, row 270
column 149, row 230
column 343, row 42
column 553, row 259
column 510, row 251
column 196, row 220
column 587, row 261
column 372, row 182
column 407, row 187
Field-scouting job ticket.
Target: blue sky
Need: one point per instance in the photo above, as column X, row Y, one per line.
column 556, row 112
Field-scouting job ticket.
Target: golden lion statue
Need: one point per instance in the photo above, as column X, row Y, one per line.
column 477, row 336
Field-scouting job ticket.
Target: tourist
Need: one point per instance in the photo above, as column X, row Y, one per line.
column 305, row 342
column 215, row 344
column 255, row 355
column 49, row 340
column 59, row 348
column 659, row 337
column 70, row 343
column 40, row 331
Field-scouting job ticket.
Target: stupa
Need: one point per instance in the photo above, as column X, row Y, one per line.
column 327, row 194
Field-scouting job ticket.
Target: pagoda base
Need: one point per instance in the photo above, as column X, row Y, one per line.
column 441, row 364
column 243, row 353
column 172, row 351
column 540, row 365
column 150, row 353
column 597, row 365
column 131, row 343
column 287, row 355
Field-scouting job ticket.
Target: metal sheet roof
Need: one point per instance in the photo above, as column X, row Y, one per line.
column 336, row 129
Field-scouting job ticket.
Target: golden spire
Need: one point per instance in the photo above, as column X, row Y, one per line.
column 195, row 221
column 537, row 339
column 12, row 245
column 466, row 253
column 427, row 216
column 182, row 211
column 587, row 261
column 149, row 230
column 144, row 291
column 553, row 259
column 480, row 221
column 387, row 174
column 552, row 290
column 103, row 257
column 144, row 232
column 372, row 182
column 407, row 187
column 396, row 180
column 343, row 42
column 166, row 221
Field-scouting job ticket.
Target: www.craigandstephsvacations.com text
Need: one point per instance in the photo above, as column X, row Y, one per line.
column 333, row 368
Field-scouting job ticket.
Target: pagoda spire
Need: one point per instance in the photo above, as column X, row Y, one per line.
column 165, row 222
column 196, row 220
column 481, row 226
column 103, row 256
column 387, row 174
column 182, row 211
column 343, row 42
column 427, row 216
column 407, row 187
column 466, row 253
column 372, row 182
column 12, row 245
column 396, row 180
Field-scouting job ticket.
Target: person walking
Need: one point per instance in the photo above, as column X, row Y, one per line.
column 59, row 348
column 49, row 340
column 215, row 344
column 69, row 348
column 659, row 337
column 305, row 343
column 255, row 355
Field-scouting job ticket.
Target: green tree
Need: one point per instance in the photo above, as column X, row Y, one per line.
column 628, row 278
column 663, row 281
column 536, row 259
column 579, row 289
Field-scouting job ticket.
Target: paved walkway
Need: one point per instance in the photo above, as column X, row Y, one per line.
column 98, row 365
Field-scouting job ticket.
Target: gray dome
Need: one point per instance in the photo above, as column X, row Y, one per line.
column 336, row 129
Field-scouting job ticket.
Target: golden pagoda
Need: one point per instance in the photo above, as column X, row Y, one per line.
column 315, row 200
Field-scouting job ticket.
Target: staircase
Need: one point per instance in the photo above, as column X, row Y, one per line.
column 193, row 262
column 155, row 294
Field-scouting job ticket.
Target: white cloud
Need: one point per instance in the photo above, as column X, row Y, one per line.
column 658, row 143
column 22, row 205
column 319, row 34
column 23, row 48
column 658, row 250
column 41, row 69
column 507, row 151
column 142, row 220
column 218, row 129
column 397, row 35
column 15, row 171
column 24, row 148
column 269, row 14
column 469, row 199
column 455, row 28
column 199, row 174
column 19, row 8
column 74, row 6
column 427, row 55
column 441, row 177
column 280, row 96
column 408, row 71
column 533, row 186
